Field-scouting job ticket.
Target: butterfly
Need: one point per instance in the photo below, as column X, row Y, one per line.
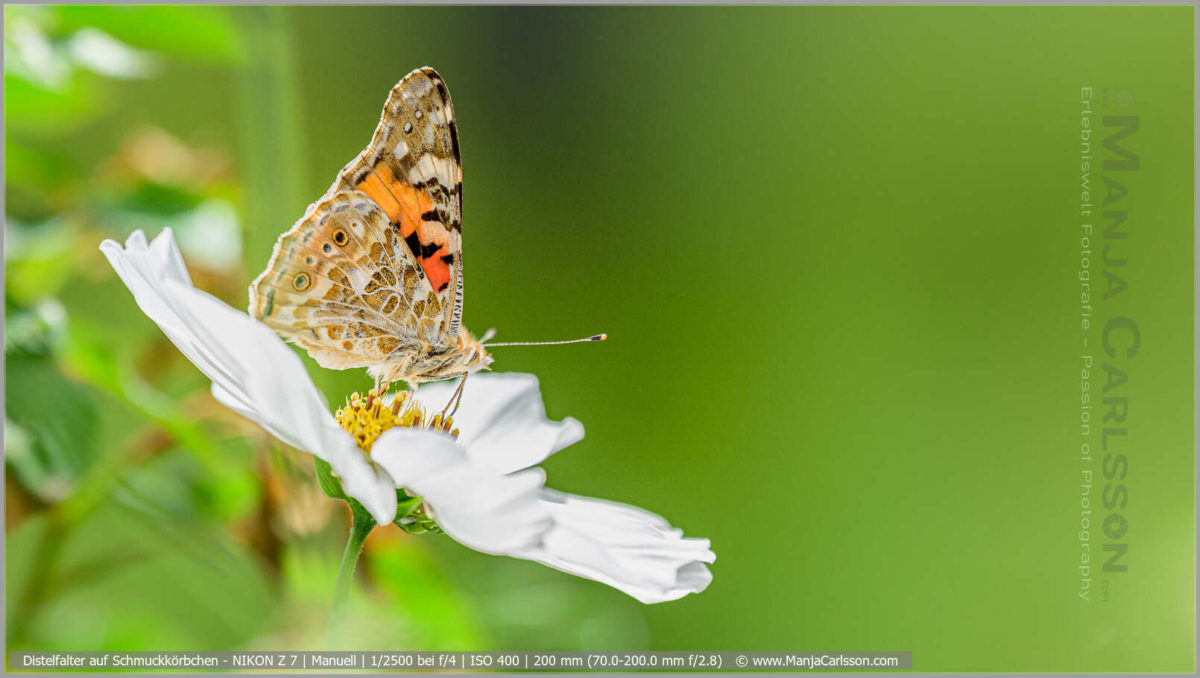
column 371, row 276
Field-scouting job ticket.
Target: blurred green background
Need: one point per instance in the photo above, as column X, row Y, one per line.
column 835, row 251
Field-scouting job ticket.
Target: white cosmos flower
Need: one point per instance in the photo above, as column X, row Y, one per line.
column 503, row 430
column 482, row 487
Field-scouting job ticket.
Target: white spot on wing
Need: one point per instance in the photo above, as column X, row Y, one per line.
column 432, row 166
column 401, row 150
column 358, row 279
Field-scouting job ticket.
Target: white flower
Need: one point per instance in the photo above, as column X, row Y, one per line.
column 252, row 370
column 503, row 429
column 482, row 487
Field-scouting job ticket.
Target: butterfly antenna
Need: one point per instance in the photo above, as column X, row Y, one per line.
column 594, row 337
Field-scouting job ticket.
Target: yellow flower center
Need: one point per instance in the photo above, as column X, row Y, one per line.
column 368, row 418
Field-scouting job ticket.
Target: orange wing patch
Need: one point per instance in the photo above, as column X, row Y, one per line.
column 437, row 264
column 413, row 211
column 384, row 188
column 401, row 202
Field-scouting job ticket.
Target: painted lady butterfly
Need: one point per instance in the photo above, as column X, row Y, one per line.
column 371, row 276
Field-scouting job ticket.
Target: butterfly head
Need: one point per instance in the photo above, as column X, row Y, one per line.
column 475, row 356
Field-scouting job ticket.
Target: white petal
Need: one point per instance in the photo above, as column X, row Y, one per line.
column 625, row 547
column 252, row 370
column 502, row 421
column 166, row 251
column 485, row 510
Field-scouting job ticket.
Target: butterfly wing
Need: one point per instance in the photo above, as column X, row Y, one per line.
column 344, row 285
column 413, row 171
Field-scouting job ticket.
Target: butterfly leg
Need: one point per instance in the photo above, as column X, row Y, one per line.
column 455, row 399
column 382, row 385
column 460, row 393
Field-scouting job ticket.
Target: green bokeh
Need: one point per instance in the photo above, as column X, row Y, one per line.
column 835, row 251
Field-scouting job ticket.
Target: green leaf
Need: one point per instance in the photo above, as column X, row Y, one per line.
column 419, row 525
column 39, row 259
column 330, row 484
column 121, row 582
column 29, row 107
column 405, row 505
column 37, row 168
column 197, row 32
column 361, row 515
column 95, row 363
column 159, row 198
column 58, row 422
column 36, row 330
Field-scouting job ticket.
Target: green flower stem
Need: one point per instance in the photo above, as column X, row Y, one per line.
column 361, row 525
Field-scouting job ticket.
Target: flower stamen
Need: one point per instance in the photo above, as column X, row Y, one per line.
column 368, row 418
